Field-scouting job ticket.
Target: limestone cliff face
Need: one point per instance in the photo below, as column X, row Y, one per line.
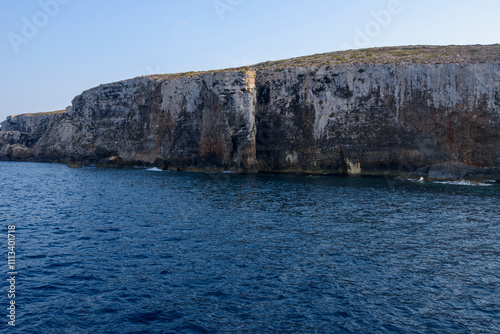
column 357, row 117
column 372, row 118
column 203, row 122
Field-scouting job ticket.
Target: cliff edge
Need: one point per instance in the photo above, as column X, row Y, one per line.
column 374, row 111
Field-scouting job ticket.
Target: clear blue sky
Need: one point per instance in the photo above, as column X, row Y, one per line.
column 52, row 50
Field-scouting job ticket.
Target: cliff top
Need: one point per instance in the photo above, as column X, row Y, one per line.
column 42, row 113
column 415, row 54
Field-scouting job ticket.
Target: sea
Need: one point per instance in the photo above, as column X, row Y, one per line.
column 137, row 250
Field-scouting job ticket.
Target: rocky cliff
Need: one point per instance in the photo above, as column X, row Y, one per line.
column 374, row 111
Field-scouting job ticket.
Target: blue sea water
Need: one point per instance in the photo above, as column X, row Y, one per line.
column 142, row 251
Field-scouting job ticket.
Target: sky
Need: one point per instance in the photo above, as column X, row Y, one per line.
column 52, row 50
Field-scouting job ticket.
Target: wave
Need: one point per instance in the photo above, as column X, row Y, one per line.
column 154, row 169
column 465, row 183
column 457, row 182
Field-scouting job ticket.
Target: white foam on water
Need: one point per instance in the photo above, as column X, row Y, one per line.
column 154, row 169
column 465, row 183
column 413, row 180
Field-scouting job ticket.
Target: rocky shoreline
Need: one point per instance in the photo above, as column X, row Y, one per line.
column 431, row 112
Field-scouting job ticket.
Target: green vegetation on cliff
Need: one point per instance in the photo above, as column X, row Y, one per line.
column 415, row 54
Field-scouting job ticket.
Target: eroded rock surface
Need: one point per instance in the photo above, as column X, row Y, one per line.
column 318, row 114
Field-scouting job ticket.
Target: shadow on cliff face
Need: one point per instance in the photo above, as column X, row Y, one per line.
column 373, row 126
column 285, row 139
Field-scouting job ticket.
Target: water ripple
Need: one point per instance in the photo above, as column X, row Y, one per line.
column 130, row 251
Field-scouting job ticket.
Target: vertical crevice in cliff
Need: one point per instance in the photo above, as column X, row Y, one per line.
column 212, row 149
